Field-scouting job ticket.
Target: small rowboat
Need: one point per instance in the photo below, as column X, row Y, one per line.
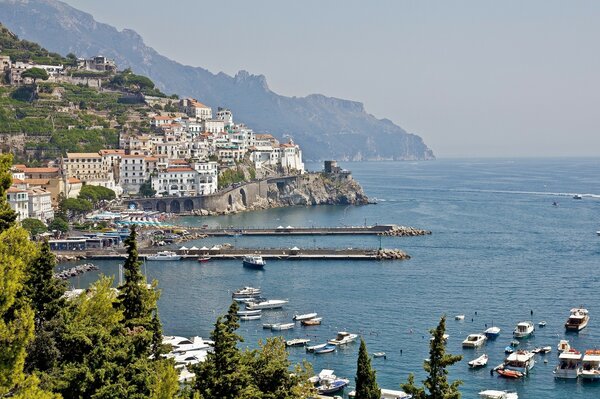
column 250, row 317
column 249, row 312
column 481, row 361
column 307, row 316
column 459, row 317
column 326, row 349
column 379, row 354
column 312, row 322
column 204, row 259
column 280, row 326
column 297, row 342
column 506, row 373
column 315, row 347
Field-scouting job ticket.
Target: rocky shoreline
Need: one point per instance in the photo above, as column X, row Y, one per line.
column 75, row 271
column 405, row 231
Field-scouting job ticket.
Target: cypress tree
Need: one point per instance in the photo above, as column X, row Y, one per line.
column 366, row 382
column 131, row 295
column 436, row 382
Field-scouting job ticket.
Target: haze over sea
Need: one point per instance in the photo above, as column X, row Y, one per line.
column 498, row 251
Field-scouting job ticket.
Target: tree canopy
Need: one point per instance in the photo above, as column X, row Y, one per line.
column 95, row 194
column 34, row 226
column 366, row 382
column 35, row 74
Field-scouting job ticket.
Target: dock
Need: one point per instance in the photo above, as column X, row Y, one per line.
column 377, row 230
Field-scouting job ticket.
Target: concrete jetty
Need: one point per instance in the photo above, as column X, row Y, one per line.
column 377, row 230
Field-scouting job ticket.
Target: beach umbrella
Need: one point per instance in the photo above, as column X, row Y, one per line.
column 184, row 248
column 280, row 227
column 295, row 249
column 204, row 249
column 289, row 227
column 194, row 248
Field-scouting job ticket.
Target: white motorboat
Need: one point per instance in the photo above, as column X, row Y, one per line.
column 253, row 261
column 312, row 322
column 164, row 255
column 268, row 304
column 590, row 365
column 297, row 342
column 343, row 338
column 493, row 394
column 307, row 316
column 282, row 326
column 246, row 293
column 386, row 394
column 577, row 196
column 324, row 375
column 523, row 330
column 474, row 341
column 521, row 361
column 492, row 332
column 182, row 344
column 481, row 361
column 459, row 317
column 444, row 337
column 249, row 312
column 568, row 364
column 315, row 347
column 578, row 319
column 250, row 317
column 563, row 345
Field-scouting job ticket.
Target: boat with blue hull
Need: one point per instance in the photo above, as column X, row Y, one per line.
column 253, row 262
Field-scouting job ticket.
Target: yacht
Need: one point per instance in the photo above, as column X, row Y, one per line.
column 523, row 330
column 578, row 319
column 164, row 255
column 493, row 394
column 590, row 365
column 520, row 361
column 246, row 293
column 343, row 338
column 253, row 261
column 568, row 364
column 474, row 341
column 266, row 304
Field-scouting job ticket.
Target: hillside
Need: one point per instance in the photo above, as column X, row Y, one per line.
column 325, row 127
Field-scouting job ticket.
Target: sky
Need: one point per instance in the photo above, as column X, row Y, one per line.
column 474, row 78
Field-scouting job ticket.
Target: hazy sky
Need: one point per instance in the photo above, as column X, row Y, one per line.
column 473, row 78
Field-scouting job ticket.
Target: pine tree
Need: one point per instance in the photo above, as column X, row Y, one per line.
column 437, row 382
column 366, row 382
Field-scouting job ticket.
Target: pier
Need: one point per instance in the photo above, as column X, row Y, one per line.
column 377, row 230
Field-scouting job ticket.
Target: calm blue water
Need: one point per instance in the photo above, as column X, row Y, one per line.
column 498, row 251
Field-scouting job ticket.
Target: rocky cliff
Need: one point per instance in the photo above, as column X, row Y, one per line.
column 325, row 127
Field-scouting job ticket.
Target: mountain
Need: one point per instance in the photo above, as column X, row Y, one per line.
column 325, row 127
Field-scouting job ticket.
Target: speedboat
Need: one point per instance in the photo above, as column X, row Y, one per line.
column 578, row 319
column 386, row 394
column 268, row 326
column 474, row 341
column 542, row 350
column 164, row 255
column 326, row 349
column 181, row 345
column 268, row 304
column 307, row 316
column 590, row 365
column 459, row 317
column 297, row 342
column 444, row 337
column 312, row 322
column 493, row 394
column 523, row 330
column 577, row 197
column 343, row 338
column 568, row 364
column 332, row 387
column 563, row 345
column 481, row 361
column 253, row 261
column 282, row 326
column 246, row 293
column 507, row 373
column 492, row 332
column 521, row 361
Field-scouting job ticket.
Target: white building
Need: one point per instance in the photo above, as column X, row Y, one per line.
column 196, row 109
column 18, row 199
column 132, row 173
column 40, row 204
column 184, row 180
column 214, row 126
column 225, row 115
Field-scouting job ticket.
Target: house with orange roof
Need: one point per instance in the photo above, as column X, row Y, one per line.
column 195, row 109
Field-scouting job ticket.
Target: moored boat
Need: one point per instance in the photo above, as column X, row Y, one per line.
column 568, row 364
column 250, row 317
column 379, row 354
column 297, row 342
column 253, row 261
column 523, row 329
column 563, row 345
column 249, row 312
column 521, row 361
column 332, row 387
column 203, row 259
column 481, row 361
column 282, row 326
column 492, row 332
column 326, row 349
column 246, row 293
column 343, row 338
column 459, row 317
column 507, row 373
column 267, row 304
column 542, row 324
column 590, row 365
column 315, row 347
column 164, row 255
column 494, row 394
column 474, row 341
column 312, row 322
column 578, row 319
column 307, row 316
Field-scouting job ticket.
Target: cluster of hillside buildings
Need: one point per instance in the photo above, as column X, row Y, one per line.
column 180, row 156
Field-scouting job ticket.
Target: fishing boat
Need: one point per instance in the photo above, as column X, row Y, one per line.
column 492, row 332
column 253, row 261
column 474, row 341
column 494, row 394
column 578, row 319
column 563, row 345
column 267, row 304
column 521, row 361
column 203, row 259
column 312, row 322
column 250, row 317
column 249, row 312
column 326, row 349
column 297, row 342
column 523, row 330
column 246, row 293
column 481, row 361
column 343, row 338
column 307, row 316
column 315, row 347
column 568, row 364
column 164, row 255
column 282, row 326
column 590, row 365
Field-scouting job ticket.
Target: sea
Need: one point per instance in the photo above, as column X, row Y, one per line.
column 509, row 243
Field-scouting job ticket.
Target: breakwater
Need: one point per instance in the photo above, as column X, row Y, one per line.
column 378, row 230
column 75, row 271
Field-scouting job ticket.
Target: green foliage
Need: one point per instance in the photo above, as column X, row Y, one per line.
column 75, row 206
column 95, row 194
column 33, row 226
column 366, row 382
column 7, row 215
column 25, row 94
column 35, row 74
column 437, row 382
column 59, row 224
column 230, row 176
column 23, row 50
column 146, row 190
